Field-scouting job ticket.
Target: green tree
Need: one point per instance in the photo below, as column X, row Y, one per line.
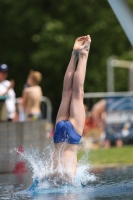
column 40, row 35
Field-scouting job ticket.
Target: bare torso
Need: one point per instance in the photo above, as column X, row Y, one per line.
column 32, row 96
column 63, row 164
column 67, row 155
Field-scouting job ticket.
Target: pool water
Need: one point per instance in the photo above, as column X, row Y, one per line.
column 110, row 184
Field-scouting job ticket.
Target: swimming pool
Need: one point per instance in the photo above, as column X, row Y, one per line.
column 110, row 184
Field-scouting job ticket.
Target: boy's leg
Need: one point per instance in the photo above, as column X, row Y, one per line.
column 64, row 110
column 77, row 111
column 72, row 101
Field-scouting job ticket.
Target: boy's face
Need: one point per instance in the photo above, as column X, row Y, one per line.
column 30, row 81
column 3, row 75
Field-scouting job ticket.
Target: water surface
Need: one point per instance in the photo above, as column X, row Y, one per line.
column 110, row 184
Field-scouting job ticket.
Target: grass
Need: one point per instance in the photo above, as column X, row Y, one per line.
column 123, row 155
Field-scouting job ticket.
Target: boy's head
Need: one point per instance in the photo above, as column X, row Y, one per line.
column 3, row 72
column 34, row 78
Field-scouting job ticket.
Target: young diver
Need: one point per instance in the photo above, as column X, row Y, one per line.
column 70, row 118
column 71, row 115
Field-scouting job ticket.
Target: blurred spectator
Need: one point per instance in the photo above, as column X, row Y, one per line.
column 32, row 94
column 90, row 131
column 88, row 122
column 99, row 114
column 6, row 89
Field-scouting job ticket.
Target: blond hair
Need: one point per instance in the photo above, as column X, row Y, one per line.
column 36, row 76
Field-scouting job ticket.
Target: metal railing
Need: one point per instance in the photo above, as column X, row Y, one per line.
column 48, row 112
column 48, row 103
column 113, row 62
column 92, row 98
column 106, row 94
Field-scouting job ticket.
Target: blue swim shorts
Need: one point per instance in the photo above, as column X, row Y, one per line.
column 65, row 132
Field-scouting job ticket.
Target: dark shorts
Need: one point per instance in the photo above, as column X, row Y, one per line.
column 34, row 116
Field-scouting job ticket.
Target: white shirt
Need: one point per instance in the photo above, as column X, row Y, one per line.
column 10, row 101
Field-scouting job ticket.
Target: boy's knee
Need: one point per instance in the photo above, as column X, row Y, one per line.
column 78, row 93
column 67, row 93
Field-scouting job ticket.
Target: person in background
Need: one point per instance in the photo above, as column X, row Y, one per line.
column 98, row 113
column 87, row 122
column 6, row 89
column 31, row 96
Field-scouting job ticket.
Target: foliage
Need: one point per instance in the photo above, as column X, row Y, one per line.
column 40, row 35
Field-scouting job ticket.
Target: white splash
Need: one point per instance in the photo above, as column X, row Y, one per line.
column 41, row 166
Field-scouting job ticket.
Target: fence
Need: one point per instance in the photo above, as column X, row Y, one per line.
column 26, row 134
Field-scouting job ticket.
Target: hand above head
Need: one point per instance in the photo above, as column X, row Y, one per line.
column 82, row 43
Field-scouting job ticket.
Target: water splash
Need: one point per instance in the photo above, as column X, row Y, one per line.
column 41, row 166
